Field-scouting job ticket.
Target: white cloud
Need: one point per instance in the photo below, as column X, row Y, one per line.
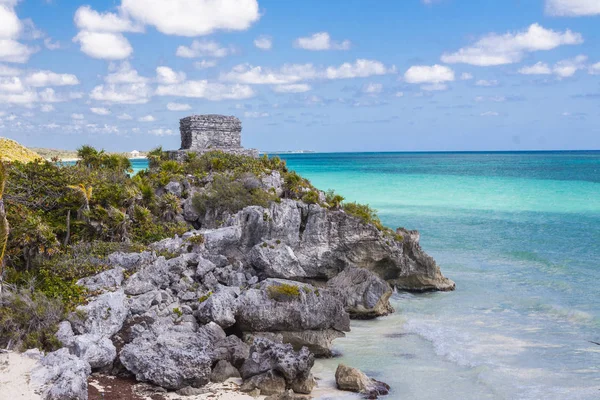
column 133, row 93
column 572, row 8
column 292, row 88
column 360, row 69
column 178, row 107
column 124, row 73
column 49, row 78
column 399, row 94
column 13, row 51
column 372, row 88
column 431, row 77
column 510, row 48
column 205, row 64
column 50, row 45
column 486, row 83
column 48, row 95
column 11, row 85
column 321, row 41
column 206, row 90
column 167, row 76
column 87, row 19
column 494, row 99
column 9, row 71
column 203, row 48
column 100, row 111
column 568, row 68
column 595, row 69
column 10, row 25
column 24, row 98
column 193, row 17
column 264, row 42
column 161, row 132
column 489, row 114
column 147, row 118
column 104, row 45
column 465, row 76
column 77, row 116
column 255, row 114
column 248, row 74
column 538, row 68
column 47, row 108
column 125, row 117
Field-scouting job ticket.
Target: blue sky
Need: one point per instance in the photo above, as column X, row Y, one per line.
column 353, row 75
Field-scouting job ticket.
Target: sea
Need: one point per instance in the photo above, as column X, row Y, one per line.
column 519, row 233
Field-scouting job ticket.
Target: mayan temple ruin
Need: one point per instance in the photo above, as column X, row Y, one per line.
column 203, row 133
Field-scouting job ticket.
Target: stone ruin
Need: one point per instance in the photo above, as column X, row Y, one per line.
column 204, row 133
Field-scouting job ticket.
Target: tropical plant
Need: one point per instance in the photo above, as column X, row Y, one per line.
column 4, row 228
column 86, row 194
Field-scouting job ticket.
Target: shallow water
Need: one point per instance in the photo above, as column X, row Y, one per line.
column 519, row 233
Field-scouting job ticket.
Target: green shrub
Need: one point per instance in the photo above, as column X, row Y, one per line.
column 205, row 297
column 365, row 213
column 311, row 197
column 333, row 199
column 177, row 311
column 196, row 239
column 283, row 292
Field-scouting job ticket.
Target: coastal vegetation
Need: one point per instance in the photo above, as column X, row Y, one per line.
column 66, row 219
column 13, row 151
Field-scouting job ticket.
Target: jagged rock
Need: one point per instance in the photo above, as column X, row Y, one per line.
column 304, row 386
column 288, row 395
column 174, row 188
column 105, row 280
column 189, row 211
column 353, row 380
column 220, row 307
column 364, row 294
column 105, row 314
column 273, row 259
column 205, row 266
column 233, row 350
column 223, row 371
column 319, row 343
column 97, row 350
column 268, row 383
column 266, row 355
column 273, row 182
column 172, row 357
column 310, row 309
column 65, row 333
column 131, row 261
column 61, row 375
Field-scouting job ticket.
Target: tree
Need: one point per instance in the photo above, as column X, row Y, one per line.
column 4, row 228
column 86, row 193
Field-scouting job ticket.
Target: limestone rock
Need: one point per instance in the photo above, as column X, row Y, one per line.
column 112, row 278
column 97, row 350
column 364, row 294
column 288, row 395
column 268, row 383
column 220, row 307
column 223, row 371
column 353, row 380
column 232, row 349
column 273, row 259
column 62, row 375
column 65, row 333
column 105, row 314
column 174, row 188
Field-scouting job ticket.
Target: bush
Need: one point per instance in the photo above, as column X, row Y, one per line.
column 365, row 213
column 283, row 292
column 29, row 319
column 311, row 197
column 226, row 195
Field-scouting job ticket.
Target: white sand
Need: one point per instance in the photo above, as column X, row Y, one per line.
column 15, row 371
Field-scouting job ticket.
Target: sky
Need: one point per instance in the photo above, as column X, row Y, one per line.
column 347, row 75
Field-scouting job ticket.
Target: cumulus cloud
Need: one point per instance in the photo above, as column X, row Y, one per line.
column 193, row 17
column 203, row 48
column 292, row 88
column 572, row 8
column 206, row 90
column 361, row 68
column 205, row 64
column 100, row 110
column 255, row 114
column 87, row 19
column 321, row 41
column 490, row 114
column 595, row 69
column 104, row 45
column 487, row 83
column 47, row 108
column 372, row 88
column 465, row 76
column 49, row 78
column 12, row 85
column 11, row 28
column 50, row 45
column 264, row 42
column 538, row 68
column 9, row 71
column 124, row 73
column 77, row 116
column 431, row 75
column 147, row 118
column 178, row 107
column 133, row 93
column 161, row 132
column 125, row 117
column 509, row 48
column 167, row 76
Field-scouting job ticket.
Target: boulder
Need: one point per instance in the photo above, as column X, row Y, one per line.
column 105, row 314
column 353, row 380
column 320, row 343
column 61, row 375
column 305, row 307
column 268, row 383
column 219, row 307
column 364, row 294
column 97, row 350
column 65, row 333
column 112, row 278
column 130, row 261
column 266, row 356
column 223, row 371
column 273, row 182
column 233, row 350
column 174, row 188
column 273, row 259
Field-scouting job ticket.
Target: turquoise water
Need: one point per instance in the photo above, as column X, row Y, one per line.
column 519, row 233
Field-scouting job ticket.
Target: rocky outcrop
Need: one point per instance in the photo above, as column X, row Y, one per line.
column 61, row 375
column 364, row 294
column 353, row 380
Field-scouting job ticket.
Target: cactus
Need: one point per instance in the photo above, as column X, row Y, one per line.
column 3, row 222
